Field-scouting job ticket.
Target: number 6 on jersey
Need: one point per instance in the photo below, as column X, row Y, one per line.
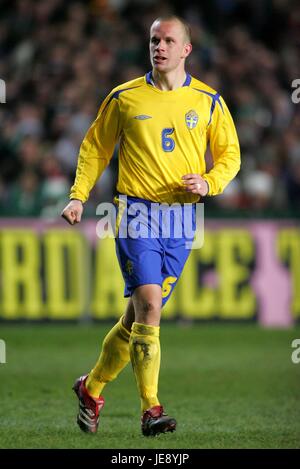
column 167, row 143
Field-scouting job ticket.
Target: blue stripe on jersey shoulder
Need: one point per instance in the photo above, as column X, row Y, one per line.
column 215, row 99
column 117, row 94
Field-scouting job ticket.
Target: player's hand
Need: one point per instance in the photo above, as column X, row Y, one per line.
column 195, row 183
column 73, row 212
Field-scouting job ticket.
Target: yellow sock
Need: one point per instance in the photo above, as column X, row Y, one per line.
column 144, row 349
column 113, row 358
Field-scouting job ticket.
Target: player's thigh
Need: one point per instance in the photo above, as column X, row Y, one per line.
column 140, row 261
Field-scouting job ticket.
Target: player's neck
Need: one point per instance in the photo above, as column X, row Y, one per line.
column 168, row 81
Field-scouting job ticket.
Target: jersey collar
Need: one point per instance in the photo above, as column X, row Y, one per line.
column 149, row 79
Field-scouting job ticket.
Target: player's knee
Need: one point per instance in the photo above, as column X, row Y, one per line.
column 148, row 311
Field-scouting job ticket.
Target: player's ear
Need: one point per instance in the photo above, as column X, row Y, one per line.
column 187, row 49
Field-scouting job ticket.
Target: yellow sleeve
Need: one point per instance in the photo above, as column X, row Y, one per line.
column 225, row 149
column 97, row 148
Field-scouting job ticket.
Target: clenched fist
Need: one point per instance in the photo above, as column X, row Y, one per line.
column 73, row 211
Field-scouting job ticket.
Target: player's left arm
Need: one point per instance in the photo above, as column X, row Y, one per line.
column 225, row 149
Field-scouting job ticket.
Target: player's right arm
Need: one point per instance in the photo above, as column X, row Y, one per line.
column 95, row 154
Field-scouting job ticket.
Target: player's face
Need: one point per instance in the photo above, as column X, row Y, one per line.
column 168, row 46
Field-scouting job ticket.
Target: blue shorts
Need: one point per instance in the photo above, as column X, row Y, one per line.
column 153, row 242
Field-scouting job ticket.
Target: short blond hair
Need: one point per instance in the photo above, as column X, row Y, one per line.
column 185, row 26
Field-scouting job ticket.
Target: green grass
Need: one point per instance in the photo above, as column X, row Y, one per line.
column 229, row 386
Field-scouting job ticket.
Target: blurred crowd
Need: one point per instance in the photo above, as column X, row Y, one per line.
column 60, row 58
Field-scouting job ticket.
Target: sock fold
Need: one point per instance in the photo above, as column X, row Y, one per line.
column 144, row 329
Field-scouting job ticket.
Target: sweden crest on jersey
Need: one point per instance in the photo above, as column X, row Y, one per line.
column 191, row 119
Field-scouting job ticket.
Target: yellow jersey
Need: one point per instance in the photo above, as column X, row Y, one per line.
column 162, row 136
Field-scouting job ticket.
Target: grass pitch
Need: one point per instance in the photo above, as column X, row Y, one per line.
column 229, row 386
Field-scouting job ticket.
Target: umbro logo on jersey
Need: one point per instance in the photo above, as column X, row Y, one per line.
column 142, row 117
column 191, row 119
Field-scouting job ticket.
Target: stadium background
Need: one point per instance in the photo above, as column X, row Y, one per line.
column 236, row 309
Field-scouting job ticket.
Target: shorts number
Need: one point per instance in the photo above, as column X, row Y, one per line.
column 168, row 143
column 167, row 286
